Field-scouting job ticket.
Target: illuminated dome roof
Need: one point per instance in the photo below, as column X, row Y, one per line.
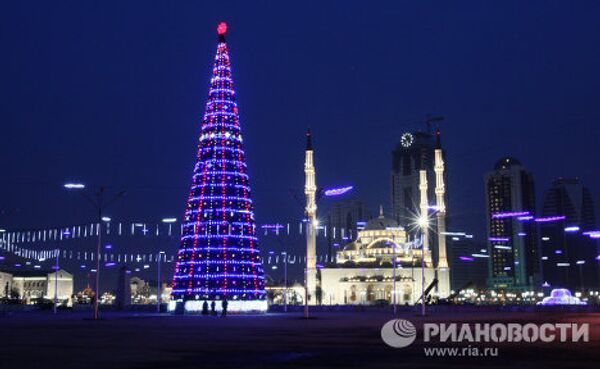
column 381, row 222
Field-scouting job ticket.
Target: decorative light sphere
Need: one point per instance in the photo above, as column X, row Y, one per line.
column 222, row 28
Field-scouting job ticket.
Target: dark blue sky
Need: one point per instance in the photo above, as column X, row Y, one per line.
column 113, row 93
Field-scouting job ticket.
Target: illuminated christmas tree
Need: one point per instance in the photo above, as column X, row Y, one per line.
column 219, row 257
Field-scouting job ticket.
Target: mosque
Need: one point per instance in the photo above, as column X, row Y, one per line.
column 382, row 265
column 364, row 268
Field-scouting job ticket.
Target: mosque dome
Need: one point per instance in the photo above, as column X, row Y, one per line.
column 381, row 222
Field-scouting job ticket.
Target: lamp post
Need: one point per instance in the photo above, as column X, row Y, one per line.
column 170, row 222
column 285, row 282
column 158, row 284
column 580, row 265
column 394, row 277
column 423, row 222
column 99, row 204
column 56, row 282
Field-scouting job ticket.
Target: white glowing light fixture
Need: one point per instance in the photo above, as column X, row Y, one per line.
column 169, row 220
column 74, row 186
column 106, row 219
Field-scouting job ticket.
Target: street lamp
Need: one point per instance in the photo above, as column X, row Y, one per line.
column 99, row 205
column 394, row 276
column 285, row 281
column 580, row 264
column 423, row 223
column 158, row 287
column 170, row 222
column 56, row 282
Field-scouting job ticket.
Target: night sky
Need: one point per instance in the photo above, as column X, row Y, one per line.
column 112, row 93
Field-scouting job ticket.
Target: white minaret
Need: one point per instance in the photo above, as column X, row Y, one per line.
column 424, row 208
column 440, row 191
column 310, row 190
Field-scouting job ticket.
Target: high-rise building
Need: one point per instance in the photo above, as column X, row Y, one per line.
column 468, row 259
column 419, row 184
column 414, row 152
column 344, row 219
column 568, row 254
column 514, row 262
column 219, row 257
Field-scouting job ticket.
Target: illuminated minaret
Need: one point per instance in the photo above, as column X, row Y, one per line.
column 424, row 212
column 310, row 190
column 440, row 193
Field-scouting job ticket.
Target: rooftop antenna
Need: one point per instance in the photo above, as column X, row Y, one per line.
column 430, row 119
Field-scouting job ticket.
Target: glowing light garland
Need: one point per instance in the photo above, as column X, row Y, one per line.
column 510, row 214
column 219, row 256
column 550, row 219
column 338, row 191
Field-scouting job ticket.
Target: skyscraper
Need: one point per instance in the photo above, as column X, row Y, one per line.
column 568, row 255
column 414, row 152
column 342, row 220
column 219, row 257
column 514, row 262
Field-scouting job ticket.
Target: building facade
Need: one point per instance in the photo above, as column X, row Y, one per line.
column 33, row 285
column 363, row 272
column 514, row 262
column 568, row 254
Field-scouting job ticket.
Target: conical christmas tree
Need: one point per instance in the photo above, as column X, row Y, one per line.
column 219, row 257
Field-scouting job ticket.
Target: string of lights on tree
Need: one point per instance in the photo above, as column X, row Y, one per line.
column 219, row 257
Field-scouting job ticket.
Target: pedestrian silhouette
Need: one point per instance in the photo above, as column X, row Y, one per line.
column 213, row 307
column 205, row 308
column 224, row 307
